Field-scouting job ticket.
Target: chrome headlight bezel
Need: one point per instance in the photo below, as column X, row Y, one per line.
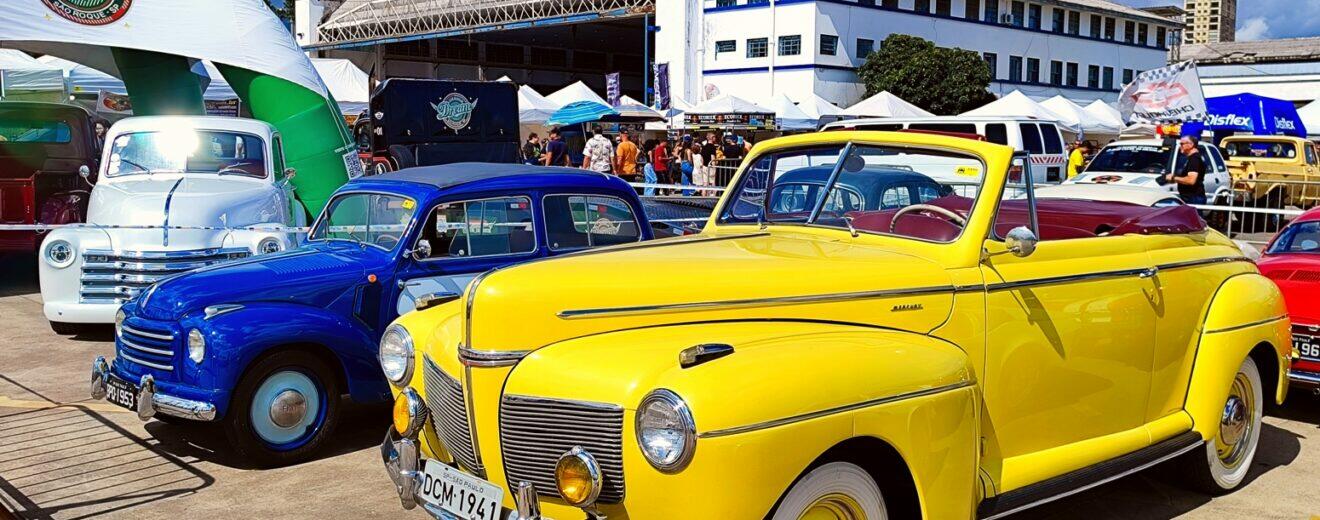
column 268, row 246
column 395, row 355
column 56, row 249
column 688, row 434
column 120, row 316
column 196, row 346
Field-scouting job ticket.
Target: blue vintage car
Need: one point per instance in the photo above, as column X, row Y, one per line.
column 268, row 345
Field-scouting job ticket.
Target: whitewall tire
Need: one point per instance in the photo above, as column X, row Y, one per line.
column 1222, row 465
column 838, row 490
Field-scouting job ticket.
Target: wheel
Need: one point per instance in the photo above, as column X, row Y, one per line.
column 67, row 329
column 834, row 491
column 1224, row 462
column 283, row 409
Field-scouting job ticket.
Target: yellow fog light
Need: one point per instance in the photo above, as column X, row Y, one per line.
column 409, row 413
column 577, row 475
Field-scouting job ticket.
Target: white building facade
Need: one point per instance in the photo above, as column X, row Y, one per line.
column 1082, row 49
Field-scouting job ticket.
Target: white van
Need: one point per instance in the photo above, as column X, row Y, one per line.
column 1042, row 139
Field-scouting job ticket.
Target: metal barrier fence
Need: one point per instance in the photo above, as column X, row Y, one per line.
column 1253, row 210
column 723, row 170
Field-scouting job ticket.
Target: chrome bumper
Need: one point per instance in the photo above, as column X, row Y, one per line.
column 1305, row 379
column 149, row 403
column 402, row 462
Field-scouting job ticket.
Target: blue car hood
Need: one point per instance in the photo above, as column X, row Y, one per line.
column 308, row 276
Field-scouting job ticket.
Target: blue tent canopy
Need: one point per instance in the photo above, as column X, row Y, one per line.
column 580, row 112
column 1249, row 113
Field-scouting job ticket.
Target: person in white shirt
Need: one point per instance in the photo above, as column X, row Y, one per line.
column 598, row 154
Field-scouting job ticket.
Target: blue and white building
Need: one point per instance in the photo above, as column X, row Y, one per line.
column 1081, row 49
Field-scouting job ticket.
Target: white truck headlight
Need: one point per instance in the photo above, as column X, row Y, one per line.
column 269, row 245
column 196, row 345
column 396, row 355
column 119, row 321
column 666, row 431
column 59, row 254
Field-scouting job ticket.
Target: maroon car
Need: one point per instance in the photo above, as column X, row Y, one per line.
column 1292, row 260
column 42, row 148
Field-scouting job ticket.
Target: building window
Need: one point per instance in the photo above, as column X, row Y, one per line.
column 1015, row 69
column 864, row 48
column 1109, row 28
column 829, row 44
column 1058, row 20
column 1129, row 31
column 590, row 60
column 867, row 2
column 1056, row 73
column 1127, row 76
column 757, row 47
column 892, row 4
column 1072, row 75
column 992, row 11
column 726, row 3
column 1074, row 22
column 1143, row 33
column 1093, row 76
column 1033, row 16
column 549, row 57
column 1161, row 37
column 972, row 9
column 724, row 46
column 992, row 61
column 1033, row 70
column 790, row 45
column 944, row 7
column 1109, row 78
column 1019, row 11
column 1096, row 22
column 921, row 6
column 497, row 53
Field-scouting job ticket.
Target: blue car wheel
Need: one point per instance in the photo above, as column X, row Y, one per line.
column 283, row 408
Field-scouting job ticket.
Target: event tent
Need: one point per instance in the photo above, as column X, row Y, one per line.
column 579, row 112
column 533, row 108
column 1017, row 104
column 578, row 91
column 885, row 104
column 82, row 79
column 634, row 110
column 23, row 76
column 350, row 86
column 728, row 104
column 817, row 107
column 1106, row 112
column 1077, row 116
column 788, row 116
column 1310, row 116
column 1259, row 115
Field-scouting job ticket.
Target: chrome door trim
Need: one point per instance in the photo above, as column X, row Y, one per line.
column 1203, row 261
column 752, row 302
column 1142, row 272
column 832, row 411
column 490, row 358
column 1248, row 325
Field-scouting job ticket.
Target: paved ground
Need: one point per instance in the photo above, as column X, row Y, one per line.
column 65, row 456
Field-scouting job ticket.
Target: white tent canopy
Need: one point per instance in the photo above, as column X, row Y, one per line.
column 632, row 108
column 1310, row 116
column 578, row 91
column 816, row 107
column 1017, row 104
column 21, row 72
column 350, row 86
column 1106, row 112
column 83, row 79
column 533, row 108
column 1077, row 116
column 728, row 104
column 787, row 114
column 885, row 104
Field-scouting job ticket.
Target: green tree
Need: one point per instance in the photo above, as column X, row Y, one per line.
column 941, row 80
column 282, row 9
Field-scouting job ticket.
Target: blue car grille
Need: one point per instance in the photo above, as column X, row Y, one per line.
column 148, row 344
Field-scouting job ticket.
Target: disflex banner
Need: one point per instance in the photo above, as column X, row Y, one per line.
column 1164, row 95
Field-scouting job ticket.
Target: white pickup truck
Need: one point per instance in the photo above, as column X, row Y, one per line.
column 174, row 193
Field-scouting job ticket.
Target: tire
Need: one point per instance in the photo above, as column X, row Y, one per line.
column 67, row 329
column 256, row 435
column 1221, row 467
column 833, row 490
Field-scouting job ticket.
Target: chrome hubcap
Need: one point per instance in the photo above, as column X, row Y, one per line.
column 834, row 506
column 288, row 408
column 1234, row 421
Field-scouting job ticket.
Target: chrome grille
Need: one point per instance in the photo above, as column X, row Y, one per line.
column 118, row 276
column 444, row 396
column 535, row 432
column 146, row 344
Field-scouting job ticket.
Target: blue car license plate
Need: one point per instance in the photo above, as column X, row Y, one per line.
column 120, row 392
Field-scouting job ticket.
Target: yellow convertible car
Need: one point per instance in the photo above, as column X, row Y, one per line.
column 898, row 332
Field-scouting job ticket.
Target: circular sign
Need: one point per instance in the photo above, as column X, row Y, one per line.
column 90, row 12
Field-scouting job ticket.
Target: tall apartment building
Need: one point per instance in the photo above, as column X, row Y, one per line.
column 1210, row 21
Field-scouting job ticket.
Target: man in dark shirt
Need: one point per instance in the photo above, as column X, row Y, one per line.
column 532, row 151
column 731, row 148
column 708, row 148
column 556, row 151
column 1191, row 179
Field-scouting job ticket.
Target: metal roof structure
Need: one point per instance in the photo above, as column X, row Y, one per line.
column 368, row 22
column 1258, row 51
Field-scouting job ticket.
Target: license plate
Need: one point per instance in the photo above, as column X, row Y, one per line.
column 1307, row 346
column 459, row 494
column 120, row 392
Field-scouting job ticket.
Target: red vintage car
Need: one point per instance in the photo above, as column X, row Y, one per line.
column 42, row 148
column 1292, row 260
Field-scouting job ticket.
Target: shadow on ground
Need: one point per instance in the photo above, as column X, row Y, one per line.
column 18, row 274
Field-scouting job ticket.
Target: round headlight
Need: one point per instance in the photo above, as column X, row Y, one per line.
column 578, row 477
column 196, row 345
column 396, row 355
column 665, row 430
column 119, row 321
column 409, row 413
column 269, row 245
column 59, row 253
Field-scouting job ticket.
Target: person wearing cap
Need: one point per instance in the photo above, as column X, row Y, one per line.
column 598, row 153
column 625, row 157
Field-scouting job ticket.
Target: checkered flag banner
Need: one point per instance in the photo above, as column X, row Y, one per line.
column 1165, row 95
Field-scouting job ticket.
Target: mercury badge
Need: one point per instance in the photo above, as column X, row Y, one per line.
column 90, row 12
column 455, row 110
column 906, row 307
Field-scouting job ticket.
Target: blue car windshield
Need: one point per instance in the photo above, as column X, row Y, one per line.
column 1302, row 237
column 373, row 219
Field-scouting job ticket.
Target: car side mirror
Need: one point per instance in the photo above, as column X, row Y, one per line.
column 1021, row 241
column 422, row 251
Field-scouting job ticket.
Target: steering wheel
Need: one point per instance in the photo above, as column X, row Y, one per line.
column 956, row 218
column 386, row 240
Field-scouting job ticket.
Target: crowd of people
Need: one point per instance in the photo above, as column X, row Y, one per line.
column 685, row 159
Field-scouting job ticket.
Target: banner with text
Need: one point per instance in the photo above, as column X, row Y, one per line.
column 1167, row 94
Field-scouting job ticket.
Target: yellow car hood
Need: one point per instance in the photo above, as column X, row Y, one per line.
column 780, row 274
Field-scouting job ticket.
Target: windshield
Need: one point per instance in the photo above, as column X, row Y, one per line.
column 911, row 192
column 1260, row 150
column 374, row 219
column 1302, row 237
column 1132, row 158
column 20, row 130
column 188, row 151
